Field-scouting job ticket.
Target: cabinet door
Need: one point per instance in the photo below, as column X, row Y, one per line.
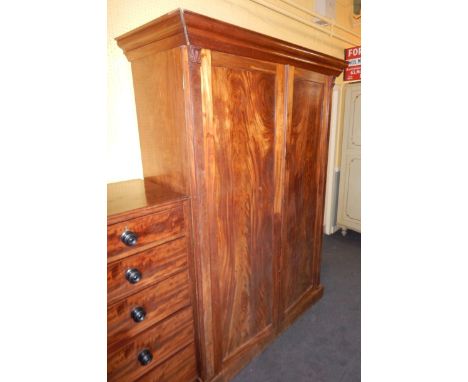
column 305, row 167
column 239, row 102
column 349, row 205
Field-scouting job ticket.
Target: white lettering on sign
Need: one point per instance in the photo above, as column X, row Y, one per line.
column 353, row 53
column 354, row 62
column 353, row 59
column 356, row 52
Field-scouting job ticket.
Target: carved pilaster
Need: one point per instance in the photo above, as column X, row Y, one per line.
column 194, row 54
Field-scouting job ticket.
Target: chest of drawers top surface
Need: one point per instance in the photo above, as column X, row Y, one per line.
column 138, row 197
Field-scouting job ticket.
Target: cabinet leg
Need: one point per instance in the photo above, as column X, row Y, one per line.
column 344, row 231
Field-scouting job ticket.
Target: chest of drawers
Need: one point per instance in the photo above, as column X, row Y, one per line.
column 150, row 325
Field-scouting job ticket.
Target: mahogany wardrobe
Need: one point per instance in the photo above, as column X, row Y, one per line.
column 238, row 122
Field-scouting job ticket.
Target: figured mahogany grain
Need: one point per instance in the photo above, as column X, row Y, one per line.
column 179, row 368
column 163, row 340
column 155, row 264
column 242, row 191
column 159, row 96
column 301, row 193
column 198, row 111
column 138, row 196
column 322, row 160
column 149, row 228
column 158, row 301
column 246, row 120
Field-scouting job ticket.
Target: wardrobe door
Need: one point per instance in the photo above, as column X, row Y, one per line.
column 305, row 167
column 239, row 102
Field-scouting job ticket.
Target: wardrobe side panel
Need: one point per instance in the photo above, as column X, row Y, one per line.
column 159, row 95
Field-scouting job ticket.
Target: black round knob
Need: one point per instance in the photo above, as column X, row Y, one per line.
column 129, row 238
column 133, row 275
column 145, row 357
column 138, row 314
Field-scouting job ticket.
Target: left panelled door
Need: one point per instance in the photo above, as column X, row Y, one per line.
column 239, row 97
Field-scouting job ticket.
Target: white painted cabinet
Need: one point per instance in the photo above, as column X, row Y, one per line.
column 349, row 203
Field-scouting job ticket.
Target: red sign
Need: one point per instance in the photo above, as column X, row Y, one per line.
column 353, row 57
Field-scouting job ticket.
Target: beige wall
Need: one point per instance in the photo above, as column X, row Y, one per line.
column 123, row 153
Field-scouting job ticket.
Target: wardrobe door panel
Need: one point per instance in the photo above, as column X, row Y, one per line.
column 301, row 212
column 239, row 139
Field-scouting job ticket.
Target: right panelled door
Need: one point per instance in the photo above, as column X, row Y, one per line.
column 305, row 168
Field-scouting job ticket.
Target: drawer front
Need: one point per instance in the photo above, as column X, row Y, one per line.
column 181, row 367
column 162, row 340
column 153, row 265
column 157, row 302
column 148, row 229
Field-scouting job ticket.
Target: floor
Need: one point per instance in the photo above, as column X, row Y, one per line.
column 324, row 344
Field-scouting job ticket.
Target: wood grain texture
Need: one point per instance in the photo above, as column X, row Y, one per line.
column 155, row 265
column 224, row 60
column 160, row 217
column 179, row 368
column 137, row 197
column 193, row 268
column 244, row 355
column 308, row 298
column 164, row 33
column 182, row 27
column 242, row 123
column 159, row 95
column 301, row 193
column 240, row 150
column 198, row 113
column 158, row 301
column 322, row 155
column 216, row 35
column 149, row 228
column 163, row 340
column 279, row 175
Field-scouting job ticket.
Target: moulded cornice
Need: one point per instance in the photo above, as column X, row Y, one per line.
column 183, row 27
